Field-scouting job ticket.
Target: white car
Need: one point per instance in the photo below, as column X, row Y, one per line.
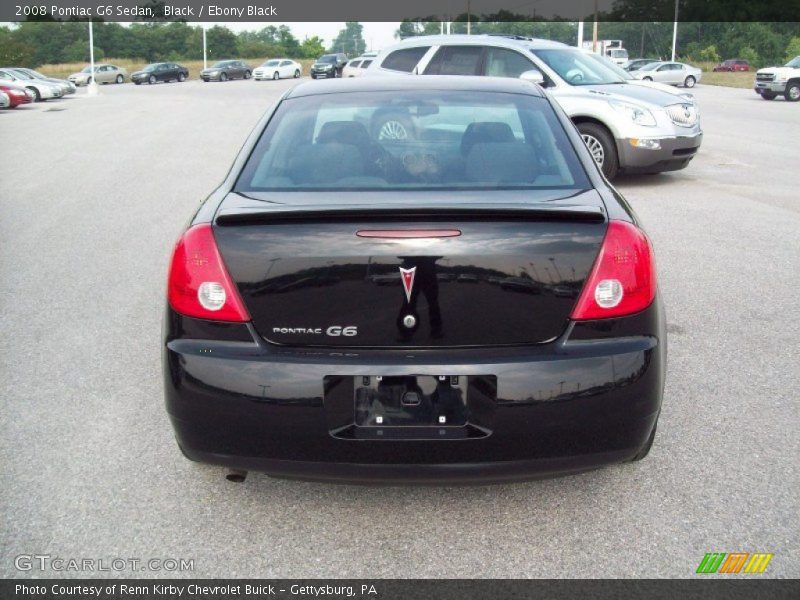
column 355, row 68
column 103, row 73
column 67, row 87
column 672, row 73
column 278, row 68
column 628, row 76
column 627, row 126
column 42, row 90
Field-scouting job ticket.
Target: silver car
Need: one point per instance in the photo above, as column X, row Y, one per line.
column 67, row 87
column 103, row 73
column 672, row 73
column 41, row 90
column 629, row 126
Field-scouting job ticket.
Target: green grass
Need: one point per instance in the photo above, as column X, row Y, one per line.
column 727, row 79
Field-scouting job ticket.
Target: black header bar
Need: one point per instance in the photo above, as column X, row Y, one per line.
column 732, row 588
column 279, row 11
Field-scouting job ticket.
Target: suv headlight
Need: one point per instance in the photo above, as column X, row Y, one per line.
column 637, row 114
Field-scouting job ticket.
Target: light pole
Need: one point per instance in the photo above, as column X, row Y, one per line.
column 675, row 31
column 205, row 48
column 91, row 87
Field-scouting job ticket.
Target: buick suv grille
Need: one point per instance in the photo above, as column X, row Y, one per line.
column 684, row 115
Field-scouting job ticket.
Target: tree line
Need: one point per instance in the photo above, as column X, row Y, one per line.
column 760, row 43
column 33, row 43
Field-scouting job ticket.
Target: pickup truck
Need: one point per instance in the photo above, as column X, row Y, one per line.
column 779, row 81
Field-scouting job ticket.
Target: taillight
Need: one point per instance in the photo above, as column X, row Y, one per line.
column 199, row 285
column 623, row 279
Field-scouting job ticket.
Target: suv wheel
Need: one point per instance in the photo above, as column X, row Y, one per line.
column 689, row 82
column 768, row 95
column 602, row 148
column 793, row 91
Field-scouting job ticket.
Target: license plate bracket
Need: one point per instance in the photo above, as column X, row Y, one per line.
column 410, row 406
column 410, row 400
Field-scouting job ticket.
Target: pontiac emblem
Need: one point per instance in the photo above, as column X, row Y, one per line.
column 407, row 275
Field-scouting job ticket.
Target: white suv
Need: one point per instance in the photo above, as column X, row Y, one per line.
column 630, row 127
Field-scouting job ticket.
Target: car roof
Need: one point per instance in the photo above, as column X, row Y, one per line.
column 507, row 85
column 479, row 40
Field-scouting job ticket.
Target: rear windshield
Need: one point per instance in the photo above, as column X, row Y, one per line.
column 413, row 140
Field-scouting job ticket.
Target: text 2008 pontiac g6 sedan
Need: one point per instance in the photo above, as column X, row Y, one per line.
column 470, row 303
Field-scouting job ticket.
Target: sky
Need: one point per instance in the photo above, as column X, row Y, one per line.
column 376, row 35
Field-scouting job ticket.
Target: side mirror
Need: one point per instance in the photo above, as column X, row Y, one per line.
column 534, row 76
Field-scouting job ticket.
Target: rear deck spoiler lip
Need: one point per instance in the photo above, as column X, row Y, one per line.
column 559, row 210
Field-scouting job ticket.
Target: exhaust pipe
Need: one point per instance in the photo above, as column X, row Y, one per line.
column 236, row 476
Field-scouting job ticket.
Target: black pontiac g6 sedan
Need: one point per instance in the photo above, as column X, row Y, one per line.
column 471, row 303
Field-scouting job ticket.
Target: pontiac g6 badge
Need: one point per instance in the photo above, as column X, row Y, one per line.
column 407, row 275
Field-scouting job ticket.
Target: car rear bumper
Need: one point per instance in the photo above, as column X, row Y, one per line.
column 589, row 399
column 675, row 153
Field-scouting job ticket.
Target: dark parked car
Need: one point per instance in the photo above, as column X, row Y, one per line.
column 735, row 64
column 166, row 71
column 637, row 63
column 425, row 380
column 225, row 70
column 329, row 65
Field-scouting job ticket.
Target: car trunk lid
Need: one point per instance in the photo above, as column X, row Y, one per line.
column 408, row 271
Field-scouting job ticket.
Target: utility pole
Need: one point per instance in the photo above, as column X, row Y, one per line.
column 580, row 34
column 91, row 88
column 641, row 45
column 675, row 31
column 205, row 47
column 594, row 31
column 469, row 20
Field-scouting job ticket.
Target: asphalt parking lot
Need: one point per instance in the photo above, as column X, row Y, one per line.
column 93, row 193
